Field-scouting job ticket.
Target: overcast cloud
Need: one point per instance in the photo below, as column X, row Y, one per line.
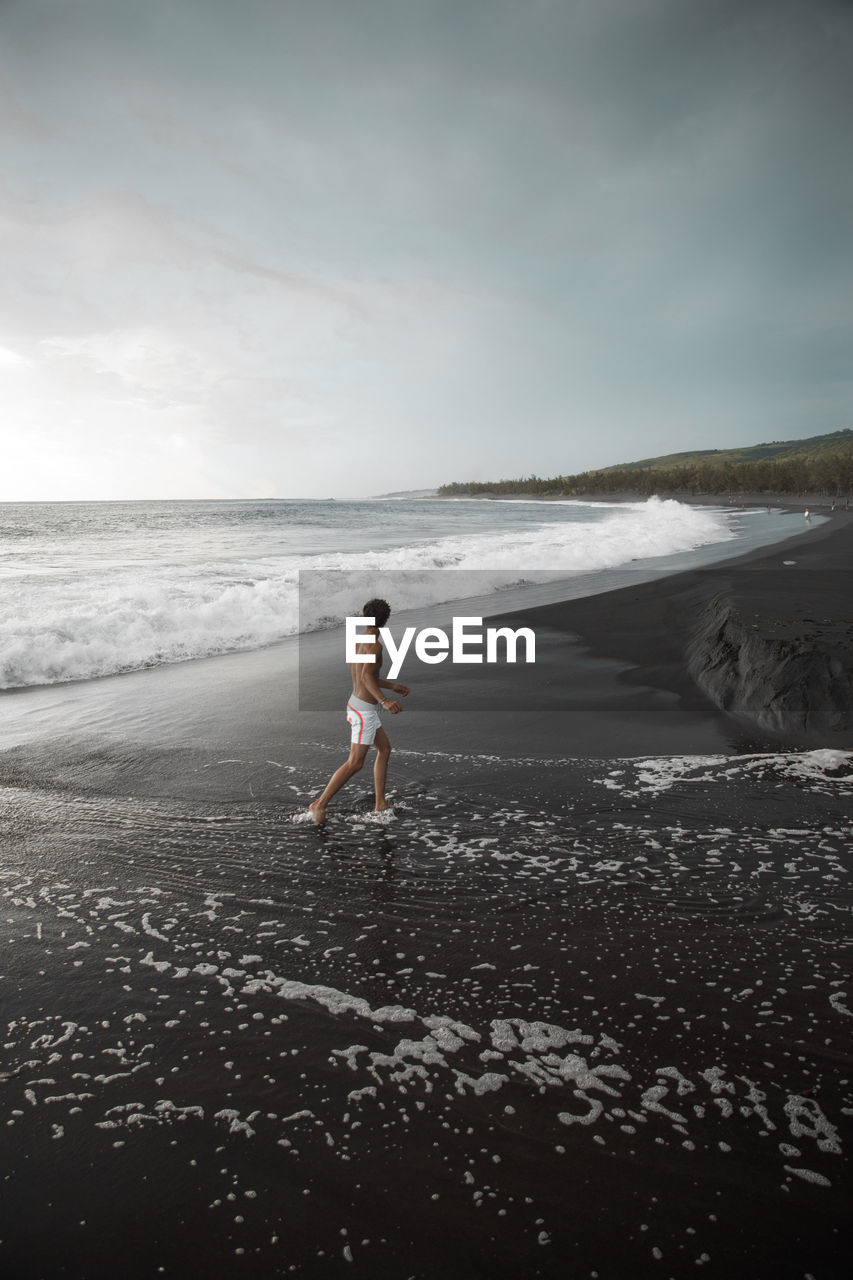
column 339, row 247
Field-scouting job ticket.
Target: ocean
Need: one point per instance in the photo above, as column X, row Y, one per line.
column 93, row 589
column 559, row 1012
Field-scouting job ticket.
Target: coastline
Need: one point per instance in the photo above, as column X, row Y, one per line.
column 615, row 676
column 777, row 617
column 578, row 1006
column 785, row 501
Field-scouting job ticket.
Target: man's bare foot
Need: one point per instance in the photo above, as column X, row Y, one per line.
column 317, row 811
column 379, row 807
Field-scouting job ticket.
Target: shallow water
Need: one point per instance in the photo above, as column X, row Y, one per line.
column 602, row 1026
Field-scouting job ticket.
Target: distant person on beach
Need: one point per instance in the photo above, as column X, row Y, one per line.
column 808, row 515
column 363, row 715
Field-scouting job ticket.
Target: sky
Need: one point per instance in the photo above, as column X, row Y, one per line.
column 293, row 248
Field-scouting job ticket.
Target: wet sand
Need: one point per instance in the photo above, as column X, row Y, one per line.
column 581, row 1006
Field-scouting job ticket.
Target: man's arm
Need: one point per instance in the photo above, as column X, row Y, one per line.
column 402, row 689
column 368, row 679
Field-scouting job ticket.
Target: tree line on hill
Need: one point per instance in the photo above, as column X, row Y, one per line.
column 830, row 474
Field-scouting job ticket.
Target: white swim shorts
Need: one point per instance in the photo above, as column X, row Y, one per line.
column 364, row 720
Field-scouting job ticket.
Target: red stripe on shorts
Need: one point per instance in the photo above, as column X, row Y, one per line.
column 361, row 720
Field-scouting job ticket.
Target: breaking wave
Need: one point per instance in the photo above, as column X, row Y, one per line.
column 124, row 612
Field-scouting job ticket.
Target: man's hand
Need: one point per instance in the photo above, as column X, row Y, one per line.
column 394, row 707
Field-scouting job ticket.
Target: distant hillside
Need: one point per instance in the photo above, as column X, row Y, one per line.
column 812, row 447
column 409, row 493
column 818, row 465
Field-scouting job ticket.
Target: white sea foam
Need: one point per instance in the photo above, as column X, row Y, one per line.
column 825, row 769
column 128, row 601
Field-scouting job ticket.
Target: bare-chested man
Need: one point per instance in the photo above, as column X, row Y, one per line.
column 363, row 715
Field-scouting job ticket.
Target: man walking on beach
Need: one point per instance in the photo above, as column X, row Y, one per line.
column 363, row 714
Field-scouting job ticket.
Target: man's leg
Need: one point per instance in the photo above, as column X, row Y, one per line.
column 357, row 753
column 380, row 767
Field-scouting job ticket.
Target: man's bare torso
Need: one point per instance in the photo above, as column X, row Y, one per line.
column 357, row 670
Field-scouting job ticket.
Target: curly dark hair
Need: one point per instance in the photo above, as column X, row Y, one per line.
column 378, row 609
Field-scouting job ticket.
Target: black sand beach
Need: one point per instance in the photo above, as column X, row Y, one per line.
column 581, row 1007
